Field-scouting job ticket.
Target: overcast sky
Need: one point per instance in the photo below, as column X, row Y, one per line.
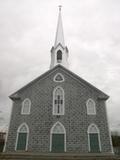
column 92, row 35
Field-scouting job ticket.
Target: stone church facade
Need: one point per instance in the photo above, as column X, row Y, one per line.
column 59, row 111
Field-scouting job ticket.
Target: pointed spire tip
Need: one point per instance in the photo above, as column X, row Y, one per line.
column 59, row 32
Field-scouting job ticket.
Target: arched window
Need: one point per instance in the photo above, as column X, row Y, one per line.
column 94, row 139
column 59, row 56
column 58, row 138
column 58, row 101
column 26, row 105
column 91, row 108
column 22, row 137
column 58, row 77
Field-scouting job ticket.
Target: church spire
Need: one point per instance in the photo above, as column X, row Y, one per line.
column 59, row 52
column 59, row 32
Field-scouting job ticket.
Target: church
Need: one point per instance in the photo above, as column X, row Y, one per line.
column 59, row 112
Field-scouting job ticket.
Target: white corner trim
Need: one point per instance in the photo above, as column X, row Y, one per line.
column 112, row 151
column 51, row 132
column 6, row 138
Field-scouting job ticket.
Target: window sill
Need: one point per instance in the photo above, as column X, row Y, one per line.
column 25, row 113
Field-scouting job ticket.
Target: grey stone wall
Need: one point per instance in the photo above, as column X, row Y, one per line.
column 75, row 120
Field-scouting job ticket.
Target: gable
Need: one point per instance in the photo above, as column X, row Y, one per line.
column 83, row 82
column 67, row 72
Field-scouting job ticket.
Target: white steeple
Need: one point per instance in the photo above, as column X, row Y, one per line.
column 59, row 32
column 59, row 52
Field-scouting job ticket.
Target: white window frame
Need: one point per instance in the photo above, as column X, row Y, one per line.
column 64, row 132
column 26, row 99
column 18, row 131
column 98, row 132
column 54, row 113
column 54, row 79
column 94, row 107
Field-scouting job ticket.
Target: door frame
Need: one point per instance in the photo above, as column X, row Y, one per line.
column 27, row 138
column 99, row 141
column 56, row 133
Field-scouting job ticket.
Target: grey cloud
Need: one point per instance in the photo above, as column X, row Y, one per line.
column 91, row 27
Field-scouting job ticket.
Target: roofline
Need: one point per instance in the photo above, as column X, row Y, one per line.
column 75, row 76
column 84, row 81
column 34, row 80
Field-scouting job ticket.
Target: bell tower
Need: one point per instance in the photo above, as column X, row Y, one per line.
column 59, row 52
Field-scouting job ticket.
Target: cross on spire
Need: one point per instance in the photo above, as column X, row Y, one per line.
column 60, row 6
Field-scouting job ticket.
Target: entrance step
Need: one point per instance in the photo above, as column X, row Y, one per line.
column 56, row 156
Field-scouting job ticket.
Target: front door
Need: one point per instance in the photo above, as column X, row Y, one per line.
column 21, row 143
column 94, row 142
column 58, row 143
